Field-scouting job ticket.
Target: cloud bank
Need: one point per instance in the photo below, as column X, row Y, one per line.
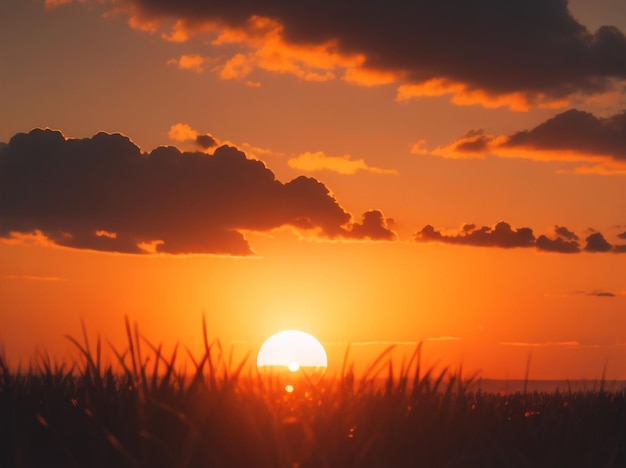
column 517, row 53
column 103, row 193
column 504, row 236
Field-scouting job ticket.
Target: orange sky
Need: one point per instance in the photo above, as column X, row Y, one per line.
column 446, row 175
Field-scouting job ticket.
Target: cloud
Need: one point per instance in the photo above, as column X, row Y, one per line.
column 597, row 243
column 419, row 147
column 594, row 293
column 318, row 161
column 542, row 344
column 372, row 343
column 55, row 3
column 182, row 133
column 622, row 235
column 518, row 53
column 367, row 77
column 576, row 131
column 238, row 66
column 206, row 141
column 50, row 4
column 565, row 241
column 192, row 62
column 557, row 244
column 374, row 227
column 51, row 279
column 463, row 95
column 601, row 169
column 269, row 50
column 565, row 233
column 392, row 342
column 571, row 136
column 103, row 193
column 474, row 144
column 257, row 152
column 444, row 338
column 602, row 294
column 503, row 235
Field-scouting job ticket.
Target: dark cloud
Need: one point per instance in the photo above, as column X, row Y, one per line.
column 597, row 243
column 601, row 294
column 573, row 135
column 531, row 46
column 468, row 227
column 565, row 233
column 102, row 193
column 557, row 244
column 374, row 226
column 565, row 241
column 622, row 235
column 578, row 131
column 502, row 235
column 206, row 141
column 429, row 234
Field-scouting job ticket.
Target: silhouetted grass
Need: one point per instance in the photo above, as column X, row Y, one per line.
column 146, row 413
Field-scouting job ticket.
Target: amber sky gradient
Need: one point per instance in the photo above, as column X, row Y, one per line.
column 450, row 172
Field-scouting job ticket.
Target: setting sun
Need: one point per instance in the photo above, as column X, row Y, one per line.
column 292, row 349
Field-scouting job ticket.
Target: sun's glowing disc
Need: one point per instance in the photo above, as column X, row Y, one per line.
column 292, row 349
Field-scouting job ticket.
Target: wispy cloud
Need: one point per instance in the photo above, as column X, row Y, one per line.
column 598, row 293
column 412, row 343
column 193, row 62
column 542, row 344
column 444, row 338
column 601, row 293
column 34, row 278
column 319, row 161
column 385, row 343
column 55, row 3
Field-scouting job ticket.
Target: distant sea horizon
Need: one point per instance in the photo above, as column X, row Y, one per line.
column 544, row 385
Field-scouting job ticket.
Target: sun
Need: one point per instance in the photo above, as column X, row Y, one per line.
column 292, row 349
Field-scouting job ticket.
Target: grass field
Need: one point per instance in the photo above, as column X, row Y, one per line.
column 145, row 413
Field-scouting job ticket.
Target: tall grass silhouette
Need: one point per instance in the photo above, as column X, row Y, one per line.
column 145, row 411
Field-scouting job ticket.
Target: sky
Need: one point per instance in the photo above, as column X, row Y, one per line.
column 446, row 173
